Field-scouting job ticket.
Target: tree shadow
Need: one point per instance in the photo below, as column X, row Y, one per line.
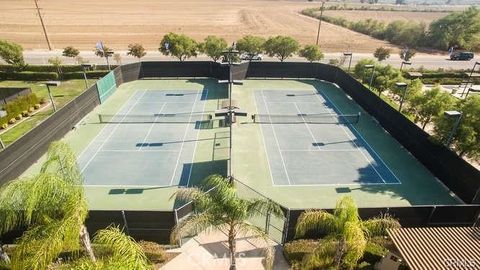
column 211, row 90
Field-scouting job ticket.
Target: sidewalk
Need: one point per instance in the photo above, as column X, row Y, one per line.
column 210, row 252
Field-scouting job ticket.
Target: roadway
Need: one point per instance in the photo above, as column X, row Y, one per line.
column 429, row 61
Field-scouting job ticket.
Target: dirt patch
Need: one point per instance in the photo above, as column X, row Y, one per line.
column 120, row 22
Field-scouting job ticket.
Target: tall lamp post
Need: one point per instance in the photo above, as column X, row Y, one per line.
column 404, row 63
column 404, row 86
column 85, row 67
column 469, row 78
column 350, row 61
column 48, row 84
column 372, row 67
column 458, row 117
column 320, row 21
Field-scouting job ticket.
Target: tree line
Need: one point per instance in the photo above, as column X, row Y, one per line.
column 427, row 107
column 458, row 30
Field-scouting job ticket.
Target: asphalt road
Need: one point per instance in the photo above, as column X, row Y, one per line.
column 429, row 61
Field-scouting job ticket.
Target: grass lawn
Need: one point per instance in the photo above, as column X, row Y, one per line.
column 62, row 94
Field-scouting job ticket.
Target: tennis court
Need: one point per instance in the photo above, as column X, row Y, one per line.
column 309, row 141
column 149, row 142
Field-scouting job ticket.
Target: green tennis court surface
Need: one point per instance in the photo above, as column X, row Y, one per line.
column 152, row 138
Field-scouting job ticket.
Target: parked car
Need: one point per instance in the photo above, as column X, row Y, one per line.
column 462, row 56
column 246, row 56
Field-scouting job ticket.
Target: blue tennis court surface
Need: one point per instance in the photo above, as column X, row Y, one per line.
column 146, row 154
column 316, row 154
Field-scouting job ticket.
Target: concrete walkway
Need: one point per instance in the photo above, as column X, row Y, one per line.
column 210, row 252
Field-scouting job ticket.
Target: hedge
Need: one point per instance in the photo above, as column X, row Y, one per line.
column 79, row 75
column 50, row 68
column 19, row 107
column 296, row 250
column 28, row 76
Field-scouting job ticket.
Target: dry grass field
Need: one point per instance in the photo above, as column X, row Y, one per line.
column 120, row 22
column 386, row 16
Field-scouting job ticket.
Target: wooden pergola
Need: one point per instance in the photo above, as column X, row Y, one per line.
column 438, row 248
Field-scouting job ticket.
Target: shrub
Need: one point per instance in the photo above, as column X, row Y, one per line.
column 25, row 114
column 19, row 117
column 79, row 74
column 31, row 109
column 36, row 106
column 373, row 253
column 154, row 252
column 43, row 100
column 4, row 126
column 29, row 76
column 296, row 250
column 12, row 121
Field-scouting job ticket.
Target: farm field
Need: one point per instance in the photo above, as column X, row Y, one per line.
column 121, row 22
column 386, row 16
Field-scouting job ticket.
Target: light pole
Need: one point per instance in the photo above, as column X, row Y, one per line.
column 48, row 84
column 372, row 67
column 405, row 63
column 43, row 26
column 458, row 117
column 85, row 67
column 349, row 62
column 320, row 21
column 404, row 86
column 469, row 77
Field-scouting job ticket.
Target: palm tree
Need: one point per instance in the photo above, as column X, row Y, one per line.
column 52, row 207
column 220, row 208
column 346, row 234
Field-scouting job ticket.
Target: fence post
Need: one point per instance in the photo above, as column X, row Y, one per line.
column 286, row 224
column 125, row 222
column 267, row 222
column 431, row 215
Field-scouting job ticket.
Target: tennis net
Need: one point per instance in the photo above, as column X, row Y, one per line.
column 322, row 118
column 154, row 118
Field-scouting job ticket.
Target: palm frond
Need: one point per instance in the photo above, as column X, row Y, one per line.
column 264, row 207
column 40, row 245
column 318, row 220
column 346, row 210
column 355, row 241
column 62, row 161
column 379, row 226
column 200, row 198
column 126, row 251
column 194, row 224
column 246, row 229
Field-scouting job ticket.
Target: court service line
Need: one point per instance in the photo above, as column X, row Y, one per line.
column 196, row 141
column 130, row 100
column 363, row 139
column 338, row 184
column 320, row 150
column 113, row 131
column 133, row 151
column 183, row 140
column 306, row 125
column 276, row 139
column 348, row 135
column 151, row 127
column 263, row 140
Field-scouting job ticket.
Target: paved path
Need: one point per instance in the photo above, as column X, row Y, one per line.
column 210, row 252
column 36, row 57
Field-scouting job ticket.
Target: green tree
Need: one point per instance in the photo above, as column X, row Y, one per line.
column 407, row 54
column 136, row 50
column 460, row 29
column 57, row 63
column 213, row 46
column 52, row 207
column 359, row 69
column 281, row 47
column 467, row 137
column 106, row 52
column 221, row 208
column 250, row 45
column 381, row 53
column 312, row 53
column 179, row 46
column 430, row 105
column 346, row 234
column 70, row 52
column 12, row 53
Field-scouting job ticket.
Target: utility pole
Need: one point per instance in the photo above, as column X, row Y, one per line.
column 43, row 26
column 320, row 21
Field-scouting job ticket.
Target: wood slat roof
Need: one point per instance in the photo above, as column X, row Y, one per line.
column 438, row 248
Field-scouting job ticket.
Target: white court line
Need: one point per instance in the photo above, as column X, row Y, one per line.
column 306, row 125
column 151, row 127
column 111, row 133
column 348, row 135
column 338, row 185
column 171, row 102
column 320, row 150
column 103, row 129
column 134, row 151
column 363, row 139
column 276, row 139
column 184, row 136
column 129, row 186
column 263, row 140
column 196, row 142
